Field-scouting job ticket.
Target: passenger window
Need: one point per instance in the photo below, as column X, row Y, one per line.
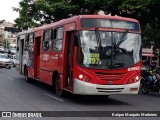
column 48, row 39
column 58, row 38
column 29, row 40
column 26, row 42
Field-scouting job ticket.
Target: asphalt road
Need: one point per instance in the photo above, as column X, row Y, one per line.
column 17, row 95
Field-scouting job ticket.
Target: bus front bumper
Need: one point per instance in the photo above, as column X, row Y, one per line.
column 85, row 88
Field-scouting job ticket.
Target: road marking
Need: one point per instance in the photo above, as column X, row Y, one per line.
column 53, row 97
column 10, row 78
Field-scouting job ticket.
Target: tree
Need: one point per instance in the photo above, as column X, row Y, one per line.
column 25, row 21
column 46, row 11
column 2, row 21
column 143, row 10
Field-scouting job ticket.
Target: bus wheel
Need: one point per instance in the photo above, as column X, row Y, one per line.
column 27, row 79
column 58, row 89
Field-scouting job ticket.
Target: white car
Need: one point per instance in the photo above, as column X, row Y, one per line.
column 1, row 48
column 5, row 62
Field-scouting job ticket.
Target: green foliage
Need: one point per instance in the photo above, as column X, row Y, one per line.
column 46, row 11
column 1, row 21
column 25, row 21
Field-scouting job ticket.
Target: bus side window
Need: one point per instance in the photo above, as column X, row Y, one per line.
column 58, row 38
column 26, row 43
column 48, row 38
column 30, row 42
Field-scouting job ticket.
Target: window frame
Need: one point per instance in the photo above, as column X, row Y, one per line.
column 50, row 39
column 31, row 43
column 56, row 39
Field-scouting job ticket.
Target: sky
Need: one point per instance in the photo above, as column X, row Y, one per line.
column 6, row 11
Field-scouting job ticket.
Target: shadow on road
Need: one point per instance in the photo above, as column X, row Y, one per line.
column 150, row 94
column 95, row 100
column 80, row 99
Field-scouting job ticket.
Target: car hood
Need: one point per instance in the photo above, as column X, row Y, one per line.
column 5, row 60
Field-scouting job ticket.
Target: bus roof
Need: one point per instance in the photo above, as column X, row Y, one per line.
column 109, row 17
column 74, row 19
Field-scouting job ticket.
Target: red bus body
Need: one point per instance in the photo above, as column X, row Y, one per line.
column 47, row 58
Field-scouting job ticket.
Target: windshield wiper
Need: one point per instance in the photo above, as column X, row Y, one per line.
column 121, row 39
column 98, row 37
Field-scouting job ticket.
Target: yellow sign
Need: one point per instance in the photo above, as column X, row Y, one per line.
column 91, row 58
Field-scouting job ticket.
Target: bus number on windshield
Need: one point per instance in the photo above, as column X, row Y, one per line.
column 91, row 58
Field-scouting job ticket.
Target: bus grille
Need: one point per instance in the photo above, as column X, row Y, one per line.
column 110, row 90
column 110, row 76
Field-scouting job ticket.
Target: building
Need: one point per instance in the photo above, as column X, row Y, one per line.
column 8, row 34
column 148, row 50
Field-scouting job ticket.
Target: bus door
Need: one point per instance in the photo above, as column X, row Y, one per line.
column 21, row 52
column 70, row 57
column 37, row 56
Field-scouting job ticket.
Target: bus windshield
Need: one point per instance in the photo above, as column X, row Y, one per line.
column 108, row 50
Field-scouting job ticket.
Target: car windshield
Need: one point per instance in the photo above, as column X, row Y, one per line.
column 109, row 50
column 4, row 56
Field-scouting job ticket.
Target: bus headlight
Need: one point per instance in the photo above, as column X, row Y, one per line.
column 84, row 78
column 137, row 78
column 134, row 79
column 81, row 76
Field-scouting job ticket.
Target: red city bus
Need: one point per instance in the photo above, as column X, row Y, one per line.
column 85, row 54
